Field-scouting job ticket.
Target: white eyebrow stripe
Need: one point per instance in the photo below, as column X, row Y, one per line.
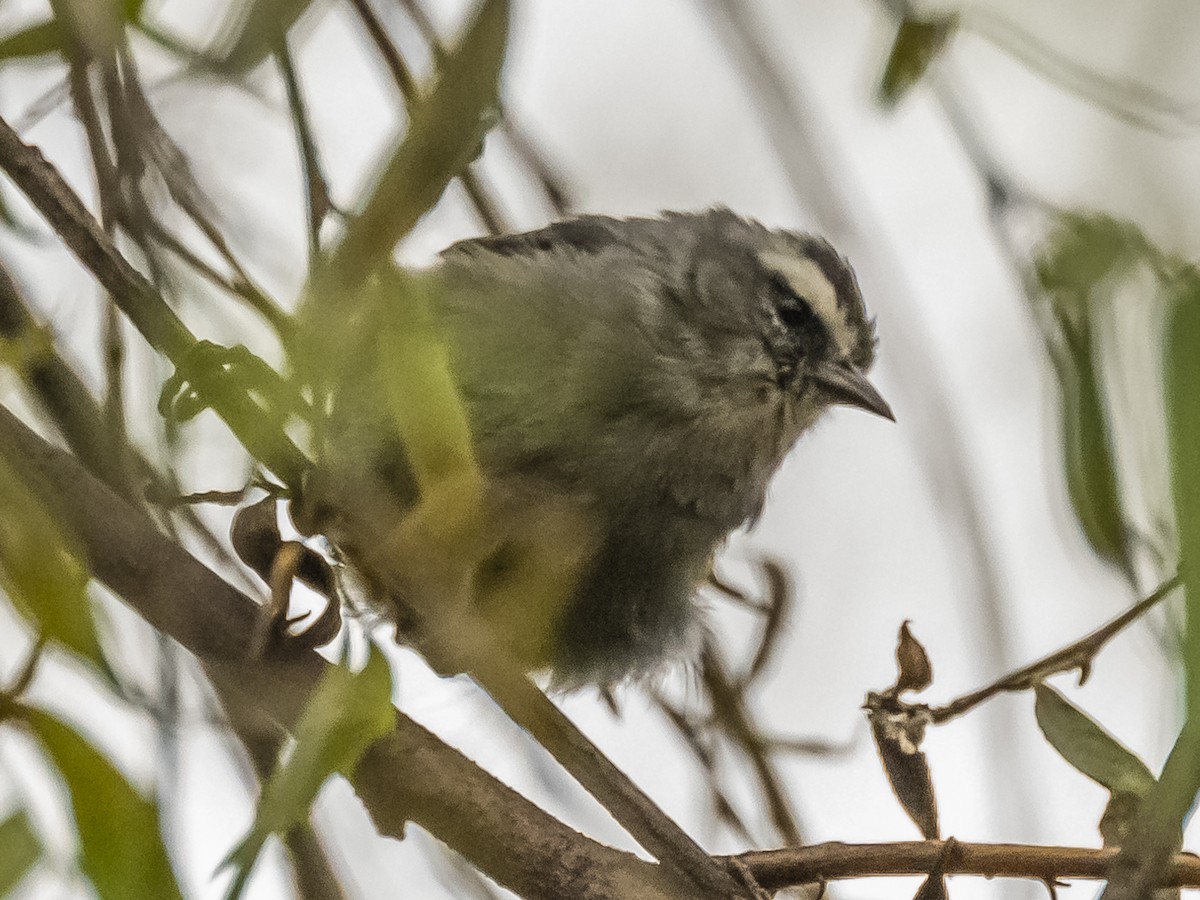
column 807, row 280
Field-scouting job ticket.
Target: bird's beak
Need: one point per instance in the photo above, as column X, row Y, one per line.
column 844, row 383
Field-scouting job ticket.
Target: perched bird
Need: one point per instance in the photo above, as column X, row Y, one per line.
column 655, row 371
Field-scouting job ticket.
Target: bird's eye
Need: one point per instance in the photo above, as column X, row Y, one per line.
column 793, row 310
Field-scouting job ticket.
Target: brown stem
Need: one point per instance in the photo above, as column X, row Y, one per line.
column 525, row 148
column 730, row 714
column 477, row 191
column 45, row 187
column 409, row 775
column 777, row 869
column 1078, row 655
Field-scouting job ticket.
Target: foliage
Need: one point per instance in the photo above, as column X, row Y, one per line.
column 454, row 552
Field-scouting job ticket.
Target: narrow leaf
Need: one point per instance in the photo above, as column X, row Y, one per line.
column 1183, row 416
column 121, row 847
column 917, row 44
column 1088, row 747
column 1088, row 458
column 35, row 40
column 898, row 735
column 41, row 575
column 1074, row 265
column 254, row 31
column 914, row 669
column 1156, row 832
column 345, row 714
column 20, row 850
column 445, row 133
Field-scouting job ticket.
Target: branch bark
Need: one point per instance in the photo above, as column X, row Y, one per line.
column 62, row 207
column 777, row 869
column 47, row 190
column 409, row 775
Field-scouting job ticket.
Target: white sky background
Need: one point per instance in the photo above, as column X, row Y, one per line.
column 640, row 109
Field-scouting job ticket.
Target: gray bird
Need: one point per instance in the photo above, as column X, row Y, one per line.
column 655, row 371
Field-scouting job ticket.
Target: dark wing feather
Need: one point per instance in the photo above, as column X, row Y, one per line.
column 587, row 234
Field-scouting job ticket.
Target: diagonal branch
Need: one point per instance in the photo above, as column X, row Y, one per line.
column 1077, row 655
column 409, row 775
column 45, row 187
column 777, row 869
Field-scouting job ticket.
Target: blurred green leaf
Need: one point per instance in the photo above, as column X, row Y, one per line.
column 1073, row 264
column 20, row 850
column 121, row 847
column 210, row 370
column 1181, row 775
column 345, row 714
column 254, row 31
column 1088, row 747
column 420, row 387
column 1081, row 251
column 1183, row 418
column 40, row 573
column 47, row 37
column 32, row 41
column 445, row 133
column 917, row 44
column 1088, row 456
column 1157, row 829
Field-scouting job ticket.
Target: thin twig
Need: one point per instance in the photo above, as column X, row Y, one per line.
column 731, row 716
column 172, row 165
column 1132, row 103
column 316, row 187
column 409, row 775
column 1078, row 655
column 477, row 192
column 139, row 300
column 645, row 821
column 777, row 869
column 691, row 734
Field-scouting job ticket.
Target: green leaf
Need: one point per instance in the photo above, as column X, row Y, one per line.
column 44, row 38
column 445, row 133
column 121, row 847
column 917, row 44
column 210, row 370
column 254, row 30
column 33, row 41
column 1088, row 747
column 1156, row 832
column 1073, row 265
column 346, row 713
column 1088, row 457
column 1183, row 417
column 1081, row 252
column 20, row 850
column 42, row 575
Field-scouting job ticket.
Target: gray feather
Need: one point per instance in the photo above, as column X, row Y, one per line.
column 638, row 367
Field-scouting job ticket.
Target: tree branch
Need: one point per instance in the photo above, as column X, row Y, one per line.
column 409, row 775
column 45, row 187
column 1077, row 655
column 777, row 869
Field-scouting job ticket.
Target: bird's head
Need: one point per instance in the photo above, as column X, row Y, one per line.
column 796, row 298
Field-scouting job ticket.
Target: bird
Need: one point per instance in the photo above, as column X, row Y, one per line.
column 652, row 372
